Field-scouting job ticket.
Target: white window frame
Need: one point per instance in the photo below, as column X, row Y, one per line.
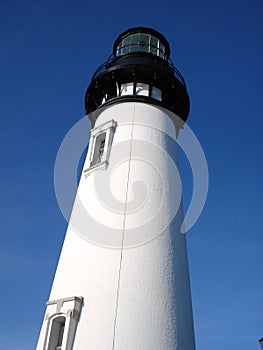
column 108, row 128
column 70, row 309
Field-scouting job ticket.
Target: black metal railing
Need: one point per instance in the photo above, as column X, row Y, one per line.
column 104, row 66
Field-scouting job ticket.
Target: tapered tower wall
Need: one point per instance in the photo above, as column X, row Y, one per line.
column 132, row 270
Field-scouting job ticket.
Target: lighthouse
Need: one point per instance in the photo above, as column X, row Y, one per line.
column 122, row 280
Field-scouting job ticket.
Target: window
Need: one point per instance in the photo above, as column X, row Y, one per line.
column 156, row 93
column 125, row 44
column 153, row 45
column 61, row 332
column 126, row 89
column 144, row 42
column 57, row 332
column 100, row 146
column 135, row 39
column 142, row 89
column 141, row 42
column 161, row 50
column 99, row 149
column 60, row 323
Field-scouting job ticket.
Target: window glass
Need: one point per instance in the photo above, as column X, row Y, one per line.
column 135, row 39
column 142, row 89
column 57, row 332
column 161, row 50
column 126, row 45
column 144, row 42
column 154, row 45
column 156, row 93
column 126, row 41
column 126, row 89
column 99, row 149
column 119, row 47
column 118, row 51
column 141, row 42
column 61, row 332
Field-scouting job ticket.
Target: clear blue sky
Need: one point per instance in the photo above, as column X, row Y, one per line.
column 49, row 51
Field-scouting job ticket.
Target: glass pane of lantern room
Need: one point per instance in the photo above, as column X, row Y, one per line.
column 161, row 50
column 118, row 51
column 126, row 45
column 135, row 39
column 144, row 42
column 142, row 89
column 154, row 45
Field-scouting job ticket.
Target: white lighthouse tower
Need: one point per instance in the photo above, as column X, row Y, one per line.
column 122, row 281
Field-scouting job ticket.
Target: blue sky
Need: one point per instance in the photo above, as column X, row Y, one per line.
column 49, row 51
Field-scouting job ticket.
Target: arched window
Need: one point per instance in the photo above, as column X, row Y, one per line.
column 56, row 333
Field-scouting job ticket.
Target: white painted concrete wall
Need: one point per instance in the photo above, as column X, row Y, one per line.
column 151, row 279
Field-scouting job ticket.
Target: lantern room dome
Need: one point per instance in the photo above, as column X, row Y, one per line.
column 140, row 70
column 141, row 39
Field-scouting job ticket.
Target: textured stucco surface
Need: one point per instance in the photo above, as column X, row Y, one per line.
column 151, row 279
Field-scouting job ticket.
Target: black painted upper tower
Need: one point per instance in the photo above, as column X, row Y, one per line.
column 138, row 70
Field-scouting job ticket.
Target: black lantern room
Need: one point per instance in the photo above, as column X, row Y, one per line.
column 138, row 70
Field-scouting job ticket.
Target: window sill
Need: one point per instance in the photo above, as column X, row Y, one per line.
column 103, row 165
